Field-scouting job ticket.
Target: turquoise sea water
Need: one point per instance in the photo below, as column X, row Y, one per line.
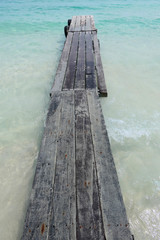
column 31, row 40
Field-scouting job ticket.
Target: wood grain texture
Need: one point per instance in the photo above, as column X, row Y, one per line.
column 88, row 24
column 39, row 209
column 63, row 218
column 83, row 23
column 89, row 221
column 72, row 62
column 97, row 214
column 73, row 23
column 78, row 24
column 61, row 70
column 90, row 65
column 115, row 220
column 99, row 67
column 80, row 73
column 92, row 23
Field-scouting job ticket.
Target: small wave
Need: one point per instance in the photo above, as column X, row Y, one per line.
column 82, row 8
column 120, row 130
column 157, row 20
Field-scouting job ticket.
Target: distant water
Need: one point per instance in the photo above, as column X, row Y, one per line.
column 31, row 40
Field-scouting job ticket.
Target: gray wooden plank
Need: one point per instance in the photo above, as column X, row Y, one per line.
column 98, row 230
column 84, row 168
column 80, row 73
column 63, row 219
column 73, row 23
column 115, row 221
column 38, row 213
column 92, row 23
column 99, row 67
column 78, row 24
column 61, row 70
column 89, row 224
column 88, row 24
column 90, row 65
column 83, row 23
column 90, row 81
column 72, row 61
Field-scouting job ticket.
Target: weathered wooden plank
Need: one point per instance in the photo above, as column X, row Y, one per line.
column 60, row 74
column 89, row 54
column 88, row 223
column 98, row 232
column 73, row 23
column 80, row 73
column 99, row 67
column 78, row 25
column 63, row 219
column 88, row 23
column 83, row 23
column 90, row 82
column 72, row 60
column 90, row 65
column 39, row 209
column 84, row 168
column 113, row 211
column 92, row 23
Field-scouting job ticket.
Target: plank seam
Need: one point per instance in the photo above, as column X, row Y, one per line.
column 96, row 169
column 74, row 23
column 101, row 84
column 74, row 127
column 67, row 62
column 75, row 167
column 85, row 58
column 50, row 226
column 116, row 227
column 76, row 62
column 56, row 85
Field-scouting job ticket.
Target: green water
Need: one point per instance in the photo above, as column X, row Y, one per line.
column 31, row 40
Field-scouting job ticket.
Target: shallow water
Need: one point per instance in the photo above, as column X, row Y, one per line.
column 31, row 40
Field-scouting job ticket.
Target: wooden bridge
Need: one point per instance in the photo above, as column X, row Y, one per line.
column 75, row 192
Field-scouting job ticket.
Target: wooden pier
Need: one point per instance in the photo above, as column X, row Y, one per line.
column 75, row 192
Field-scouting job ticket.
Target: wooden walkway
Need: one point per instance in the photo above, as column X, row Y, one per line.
column 75, row 192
